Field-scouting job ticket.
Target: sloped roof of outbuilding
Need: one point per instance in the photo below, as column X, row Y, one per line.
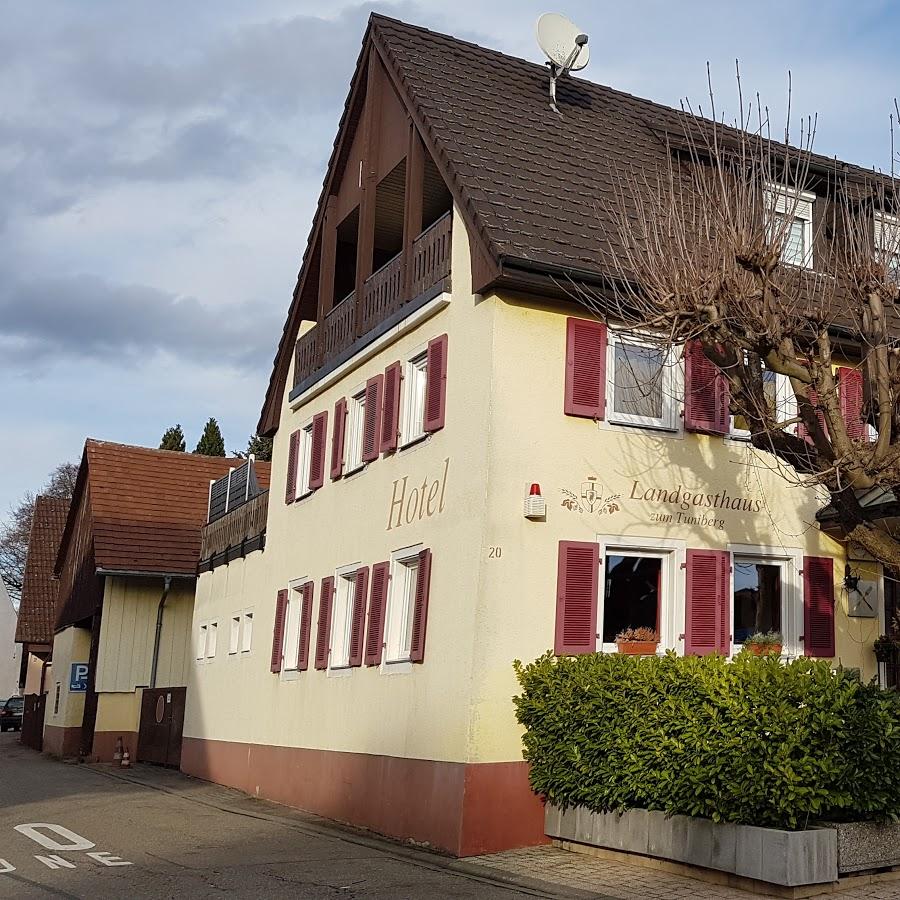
column 37, row 606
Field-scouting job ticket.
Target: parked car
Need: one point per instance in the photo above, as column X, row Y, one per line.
column 11, row 714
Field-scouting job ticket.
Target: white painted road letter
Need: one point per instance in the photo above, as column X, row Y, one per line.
column 107, row 859
column 55, row 862
column 76, row 841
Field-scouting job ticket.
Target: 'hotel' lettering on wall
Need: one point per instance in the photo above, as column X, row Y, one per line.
column 412, row 504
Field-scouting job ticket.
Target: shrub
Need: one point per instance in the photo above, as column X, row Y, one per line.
column 752, row 741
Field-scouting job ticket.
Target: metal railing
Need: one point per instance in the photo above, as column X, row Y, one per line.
column 236, row 527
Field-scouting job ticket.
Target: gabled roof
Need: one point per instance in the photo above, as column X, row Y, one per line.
column 146, row 506
column 37, row 607
column 536, row 190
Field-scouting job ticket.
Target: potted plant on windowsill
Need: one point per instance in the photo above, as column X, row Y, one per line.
column 764, row 643
column 637, row 641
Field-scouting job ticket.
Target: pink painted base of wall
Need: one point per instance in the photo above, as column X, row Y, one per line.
column 464, row 809
column 59, row 741
column 104, row 745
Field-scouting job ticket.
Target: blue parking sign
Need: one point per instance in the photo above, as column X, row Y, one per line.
column 78, row 678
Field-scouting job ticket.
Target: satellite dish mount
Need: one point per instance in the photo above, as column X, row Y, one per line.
column 565, row 46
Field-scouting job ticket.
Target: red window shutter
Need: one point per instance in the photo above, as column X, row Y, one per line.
column 420, row 611
column 337, row 438
column 278, row 633
column 323, row 626
column 358, row 613
column 801, row 428
column 706, row 395
column 317, row 452
column 377, row 606
column 585, row 368
column 306, row 601
column 390, row 414
column 577, row 579
column 436, row 384
column 372, row 423
column 850, row 389
column 708, row 595
column 818, row 606
column 290, row 488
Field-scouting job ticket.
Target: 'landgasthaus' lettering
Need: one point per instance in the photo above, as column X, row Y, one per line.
column 687, row 500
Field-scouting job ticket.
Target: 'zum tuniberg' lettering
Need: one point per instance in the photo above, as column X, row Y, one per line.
column 422, row 501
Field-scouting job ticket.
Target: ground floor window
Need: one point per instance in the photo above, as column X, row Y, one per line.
column 401, row 606
column 342, row 617
column 757, row 597
column 632, row 594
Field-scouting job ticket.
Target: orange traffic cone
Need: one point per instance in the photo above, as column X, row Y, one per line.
column 126, row 760
column 117, row 756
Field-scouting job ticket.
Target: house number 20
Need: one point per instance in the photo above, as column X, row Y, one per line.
column 495, row 552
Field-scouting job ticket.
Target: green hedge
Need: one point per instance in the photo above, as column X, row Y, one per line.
column 752, row 741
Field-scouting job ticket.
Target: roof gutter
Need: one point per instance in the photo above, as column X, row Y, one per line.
column 138, row 573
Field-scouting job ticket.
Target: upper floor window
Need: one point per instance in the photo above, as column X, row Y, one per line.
column 640, row 389
column 356, row 419
column 342, row 617
column 887, row 243
column 779, row 399
column 792, row 223
column 304, row 457
column 413, row 427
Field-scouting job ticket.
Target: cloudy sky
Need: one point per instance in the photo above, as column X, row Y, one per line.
column 159, row 164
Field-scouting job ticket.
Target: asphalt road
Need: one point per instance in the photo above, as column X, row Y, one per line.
column 164, row 835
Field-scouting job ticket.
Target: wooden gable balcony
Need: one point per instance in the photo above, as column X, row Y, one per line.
column 235, row 534
column 388, row 295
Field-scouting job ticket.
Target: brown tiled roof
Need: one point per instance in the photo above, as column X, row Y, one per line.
column 38, row 604
column 147, row 506
column 536, row 190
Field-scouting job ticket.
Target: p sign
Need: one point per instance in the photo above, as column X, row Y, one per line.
column 78, row 678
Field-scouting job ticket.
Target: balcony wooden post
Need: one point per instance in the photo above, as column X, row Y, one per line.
column 365, row 245
column 412, row 221
column 327, row 258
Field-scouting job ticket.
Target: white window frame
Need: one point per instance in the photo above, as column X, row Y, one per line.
column 304, row 459
column 785, row 405
column 202, row 631
column 412, row 400
column 885, row 222
column 671, row 381
column 246, row 644
column 672, row 607
column 398, row 616
column 290, row 644
column 212, row 639
column 342, row 618
column 791, row 561
column 234, row 634
column 793, row 203
column 356, row 430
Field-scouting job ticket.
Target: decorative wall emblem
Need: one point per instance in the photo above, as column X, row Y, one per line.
column 591, row 498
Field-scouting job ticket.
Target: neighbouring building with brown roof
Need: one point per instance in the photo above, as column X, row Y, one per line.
column 127, row 566
column 468, row 469
column 37, row 606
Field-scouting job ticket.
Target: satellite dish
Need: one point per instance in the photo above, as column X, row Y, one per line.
column 565, row 46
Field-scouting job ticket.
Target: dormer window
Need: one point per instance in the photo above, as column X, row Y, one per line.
column 887, row 243
column 791, row 221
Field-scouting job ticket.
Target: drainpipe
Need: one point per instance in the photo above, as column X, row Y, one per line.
column 156, row 638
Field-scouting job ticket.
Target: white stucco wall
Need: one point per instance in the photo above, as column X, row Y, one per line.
column 10, row 651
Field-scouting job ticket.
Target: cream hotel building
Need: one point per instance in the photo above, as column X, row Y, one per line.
column 464, row 473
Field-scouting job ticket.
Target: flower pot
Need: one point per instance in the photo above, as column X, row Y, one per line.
column 637, row 648
column 886, row 653
column 764, row 649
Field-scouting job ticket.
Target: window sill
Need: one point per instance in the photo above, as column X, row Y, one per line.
column 349, row 473
column 397, row 667
column 414, row 442
column 339, row 671
column 619, row 425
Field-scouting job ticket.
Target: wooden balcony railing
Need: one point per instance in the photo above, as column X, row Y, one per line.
column 236, row 529
column 384, row 293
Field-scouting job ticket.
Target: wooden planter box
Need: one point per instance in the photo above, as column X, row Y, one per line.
column 637, row 648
